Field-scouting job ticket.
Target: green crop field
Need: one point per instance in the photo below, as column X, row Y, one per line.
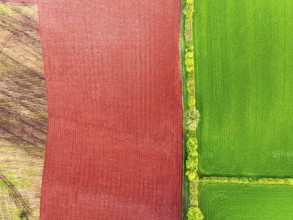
column 244, row 76
column 246, row 201
column 237, row 79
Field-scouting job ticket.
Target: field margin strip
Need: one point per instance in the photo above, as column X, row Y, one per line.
column 191, row 209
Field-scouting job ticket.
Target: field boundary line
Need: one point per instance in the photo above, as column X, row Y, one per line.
column 247, row 180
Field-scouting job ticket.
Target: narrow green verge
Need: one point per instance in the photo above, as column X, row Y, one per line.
column 247, row 180
column 191, row 115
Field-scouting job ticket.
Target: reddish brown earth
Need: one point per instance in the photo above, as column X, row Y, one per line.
column 115, row 120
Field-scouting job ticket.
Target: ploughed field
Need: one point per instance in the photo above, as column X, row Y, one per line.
column 23, row 112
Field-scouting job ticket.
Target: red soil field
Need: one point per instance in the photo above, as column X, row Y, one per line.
column 114, row 142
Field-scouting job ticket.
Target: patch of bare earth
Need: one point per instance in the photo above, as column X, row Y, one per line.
column 23, row 112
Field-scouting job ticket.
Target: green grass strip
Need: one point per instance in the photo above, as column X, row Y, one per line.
column 191, row 117
column 246, row 180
